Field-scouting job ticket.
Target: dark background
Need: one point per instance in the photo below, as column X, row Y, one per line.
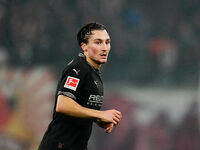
column 155, row 52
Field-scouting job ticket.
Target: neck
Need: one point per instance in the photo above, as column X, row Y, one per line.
column 93, row 63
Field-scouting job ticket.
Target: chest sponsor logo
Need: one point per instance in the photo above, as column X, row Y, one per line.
column 71, row 83
column 95, row 100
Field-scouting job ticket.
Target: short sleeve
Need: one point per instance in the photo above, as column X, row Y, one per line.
column 70, row 82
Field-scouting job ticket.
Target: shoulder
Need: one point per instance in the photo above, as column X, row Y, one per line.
column 77, row 68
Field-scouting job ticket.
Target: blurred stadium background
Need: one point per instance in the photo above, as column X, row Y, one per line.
column 153, row 73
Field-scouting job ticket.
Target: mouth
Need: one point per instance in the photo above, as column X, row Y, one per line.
column 104, row 55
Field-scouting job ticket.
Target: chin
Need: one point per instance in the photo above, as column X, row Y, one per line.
column 103, row 62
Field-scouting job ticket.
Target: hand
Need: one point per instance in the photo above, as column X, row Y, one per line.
column 107, row 126
column 110, row 116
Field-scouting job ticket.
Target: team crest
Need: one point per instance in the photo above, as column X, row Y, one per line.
column 71, row 83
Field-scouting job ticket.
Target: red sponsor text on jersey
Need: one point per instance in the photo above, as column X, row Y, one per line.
column 71, row 83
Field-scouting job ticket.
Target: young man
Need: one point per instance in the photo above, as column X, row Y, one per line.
column 79, row 95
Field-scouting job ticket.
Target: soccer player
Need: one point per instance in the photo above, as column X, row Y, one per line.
column 79, row 94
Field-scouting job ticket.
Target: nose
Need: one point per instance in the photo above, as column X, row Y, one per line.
column 105, row 47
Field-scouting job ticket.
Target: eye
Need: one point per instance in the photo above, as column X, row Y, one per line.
column 108, row 42
column 97, row 42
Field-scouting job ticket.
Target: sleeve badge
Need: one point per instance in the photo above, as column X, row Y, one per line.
column 71, row 83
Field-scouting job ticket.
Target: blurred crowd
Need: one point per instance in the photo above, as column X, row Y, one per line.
column 152, row 41
column 161, row 133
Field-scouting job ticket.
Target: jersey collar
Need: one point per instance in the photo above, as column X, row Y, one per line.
column 83, row 56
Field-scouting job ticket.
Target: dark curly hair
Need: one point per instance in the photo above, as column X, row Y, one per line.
column 86, row 31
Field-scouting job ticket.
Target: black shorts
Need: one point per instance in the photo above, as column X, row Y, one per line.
column 55, row 145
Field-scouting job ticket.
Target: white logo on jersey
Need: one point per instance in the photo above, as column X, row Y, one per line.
column 96, row 82
column 95, row 100
column 76, row 71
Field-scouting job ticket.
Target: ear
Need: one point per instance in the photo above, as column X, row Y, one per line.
column 84, row 47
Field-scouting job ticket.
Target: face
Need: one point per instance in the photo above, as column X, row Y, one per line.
column 97, row 48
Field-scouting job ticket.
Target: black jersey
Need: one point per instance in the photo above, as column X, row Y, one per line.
column 81, row 82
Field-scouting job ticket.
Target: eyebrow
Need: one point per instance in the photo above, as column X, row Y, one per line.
column 102, row 39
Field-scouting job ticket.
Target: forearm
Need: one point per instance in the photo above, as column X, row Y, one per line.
column 70, row 107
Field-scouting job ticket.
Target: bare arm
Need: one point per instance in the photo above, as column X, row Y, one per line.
column 70, row 107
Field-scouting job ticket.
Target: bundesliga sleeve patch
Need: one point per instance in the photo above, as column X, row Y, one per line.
column 71, row 83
